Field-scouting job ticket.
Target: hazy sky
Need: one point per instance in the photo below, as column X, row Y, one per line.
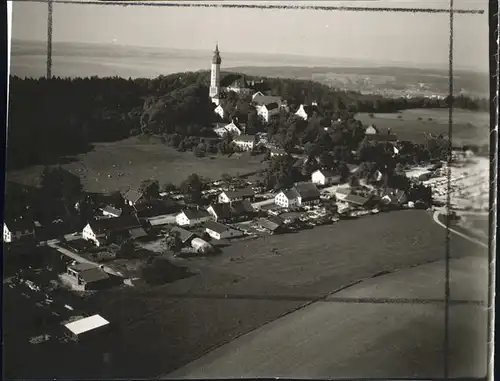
column 416, row 38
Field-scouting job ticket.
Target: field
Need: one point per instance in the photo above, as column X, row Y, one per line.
column 124, row 164
column 246, row 286
column 468, row 127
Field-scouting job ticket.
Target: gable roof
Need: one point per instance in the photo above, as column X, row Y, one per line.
column 343, row 190
column 109, row 209
column 221, row 210
column 290, row 194
column 184, row 235
column 114, row 224
column 19, row 224
column 195, row 214
column 217, row 227
column 138, row 232
column 371, row 126
column 269, row 224
column 240, row 193
column 89, row 272
column 244, row 138
column 266, row 99
column 132, row 195
column 309, row 109
column 241, row 207
column 327, row 173
column 307, row 191
column 356, row 199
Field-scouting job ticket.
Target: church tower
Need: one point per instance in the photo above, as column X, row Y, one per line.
column 215, row 77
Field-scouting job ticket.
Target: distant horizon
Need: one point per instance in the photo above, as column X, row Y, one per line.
column 355, row 62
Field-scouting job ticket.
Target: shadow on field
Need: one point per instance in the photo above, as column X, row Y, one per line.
column 161, row 271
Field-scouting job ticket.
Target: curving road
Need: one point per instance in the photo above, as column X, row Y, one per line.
column 388, row 327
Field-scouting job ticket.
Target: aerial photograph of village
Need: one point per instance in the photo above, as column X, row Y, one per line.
column 213, row 192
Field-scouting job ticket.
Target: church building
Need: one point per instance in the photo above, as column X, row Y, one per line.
column 214, row 91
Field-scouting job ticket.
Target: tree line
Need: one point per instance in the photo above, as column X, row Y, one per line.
column 65, row 116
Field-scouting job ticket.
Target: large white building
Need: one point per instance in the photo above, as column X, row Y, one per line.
column 267, row 111
column 214, row 91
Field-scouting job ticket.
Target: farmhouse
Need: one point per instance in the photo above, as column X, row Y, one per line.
column 236, row 195
column 219, row 111
column 89, row 326
column 303, row 193
column 220, row 212
column 85, row 276
column 272, row 225
column 342, row 192
column 308, row 193
column 371, row 130
column 325, row 177
column 230, row 128
column 219, row 231
column 394, row 197
column 190, row 217
column 260, row 99
column 185, row 235
column 241, row 209
column 245, row 142
column 101, row 231
column 133, row 197
column 267, row 111
column 18, row 230
column 358, row 200
column 287, row 198
column 240, row 86
column 110, row 211
column 306, row 111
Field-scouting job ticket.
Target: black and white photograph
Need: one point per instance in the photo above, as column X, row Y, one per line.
column 248, row 189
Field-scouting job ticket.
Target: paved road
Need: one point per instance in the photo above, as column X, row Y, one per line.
column 391, row 326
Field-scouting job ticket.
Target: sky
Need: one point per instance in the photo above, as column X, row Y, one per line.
column 420, row 39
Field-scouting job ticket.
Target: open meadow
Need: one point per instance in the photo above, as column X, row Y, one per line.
column 248, row 285
column 124, row 164
column 469, row 127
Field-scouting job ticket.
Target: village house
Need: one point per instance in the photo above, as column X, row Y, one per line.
column 240, row 86
column 109, row 211
column 277, row 152
column 219, row 231
column 260, row 99
column 308, row 193
column 359, row 201
column 184, row 235
column 86, row 276
column 267, row 111
column 133, row 197
column 220, row 212
column 236, row 195
column 303, row 193
column 394, row 197
column 191, row 217
column 230, row 128
column 219, row 110
column 287, row 198
column 87, row 327
column 307, row 111
column 342, row 192
column 272, row 225
column 18, row 230
column 103, row 231
column 371, row 130
column 245, row 142
column 325, row 177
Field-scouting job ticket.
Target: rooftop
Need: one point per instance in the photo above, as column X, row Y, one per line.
column 114, row 224
column 132, row 195
column 184, row 235
column 86, row 324
column 307, row 191
column 194, row 214
column 217, row 227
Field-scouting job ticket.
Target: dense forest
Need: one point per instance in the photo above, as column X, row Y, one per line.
column 50, row 118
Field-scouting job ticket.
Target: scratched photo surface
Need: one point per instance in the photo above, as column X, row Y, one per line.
column 202, row 189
